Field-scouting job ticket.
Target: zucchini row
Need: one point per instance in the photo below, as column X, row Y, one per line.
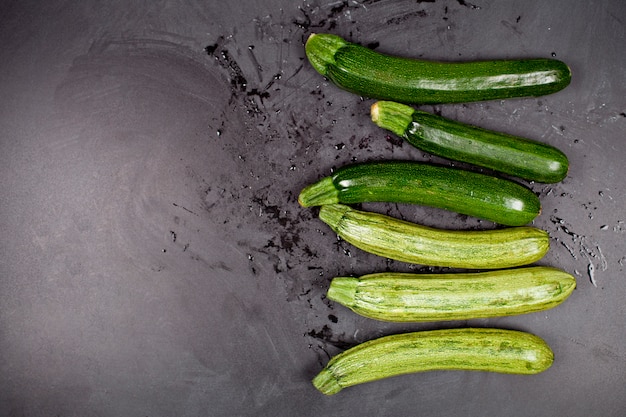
column 406, row 297
column 363, row 71
column 413, row 243
column 506, row 286
column 472, row 349
column 513, row 155
column 466, row 192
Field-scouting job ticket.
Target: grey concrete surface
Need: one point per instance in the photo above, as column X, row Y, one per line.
column 154, row 260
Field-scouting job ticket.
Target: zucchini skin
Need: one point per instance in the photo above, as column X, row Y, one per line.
column 413, row 243
column 363, row 71
column 437, row 135
column 463, row 349
column 406, row 297
column 471, row 193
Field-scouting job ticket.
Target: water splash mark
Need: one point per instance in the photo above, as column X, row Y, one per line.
column 582, row 248
column 326, row 339
column 591, row 271
column 326, row 335
column 238, row 81
column 468, row 5
column 184, row 208
column 330, row 16
column 285, row 248
column 252, row 97
column 405, row 17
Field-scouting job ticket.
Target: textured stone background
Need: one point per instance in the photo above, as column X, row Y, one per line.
column 154, row 259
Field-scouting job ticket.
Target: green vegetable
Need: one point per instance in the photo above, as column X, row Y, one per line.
column 466, row 192
column 491, row 350
column 368, row 73
column 406, row 297
column 501, row 152
column 409, row 242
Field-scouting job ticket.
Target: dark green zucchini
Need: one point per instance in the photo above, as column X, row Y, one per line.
column 371, row 74
column 513, row 155
column 471, row 193
column 471, row 349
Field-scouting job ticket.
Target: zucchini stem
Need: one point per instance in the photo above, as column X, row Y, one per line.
column 342, row 290
column 321, row 51
column 333, row 214
column 319, row 193
column 395, row 117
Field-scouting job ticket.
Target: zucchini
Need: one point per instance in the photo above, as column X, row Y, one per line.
column 513, row 155
column 471, row 193
column 413, row 243
column 463, row 349
column 406, row 297
column 363, row 71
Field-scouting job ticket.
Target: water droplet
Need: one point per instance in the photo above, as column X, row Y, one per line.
column 340, row 146
column 219, row 132
column 591, row 270
column 553, row 54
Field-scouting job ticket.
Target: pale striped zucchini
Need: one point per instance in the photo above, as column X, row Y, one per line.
column 407, row 297
column 471, row 349
column 413, row 243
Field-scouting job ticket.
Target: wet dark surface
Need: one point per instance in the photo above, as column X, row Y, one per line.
column 155, row 261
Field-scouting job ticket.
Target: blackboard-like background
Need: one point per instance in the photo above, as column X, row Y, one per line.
column 154, row 260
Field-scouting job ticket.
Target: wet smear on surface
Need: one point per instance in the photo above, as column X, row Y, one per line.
column 149, row 144
column 582, row 253
column 326, row 335
column 286, row 138
column 469, row 5
column 303, row 127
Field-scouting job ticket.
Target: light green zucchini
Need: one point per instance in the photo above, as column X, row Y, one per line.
column 413, row 243
column 406, row 297
column 371, row 74
column 461, row 191
column 471, row 349
column 437, row 135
